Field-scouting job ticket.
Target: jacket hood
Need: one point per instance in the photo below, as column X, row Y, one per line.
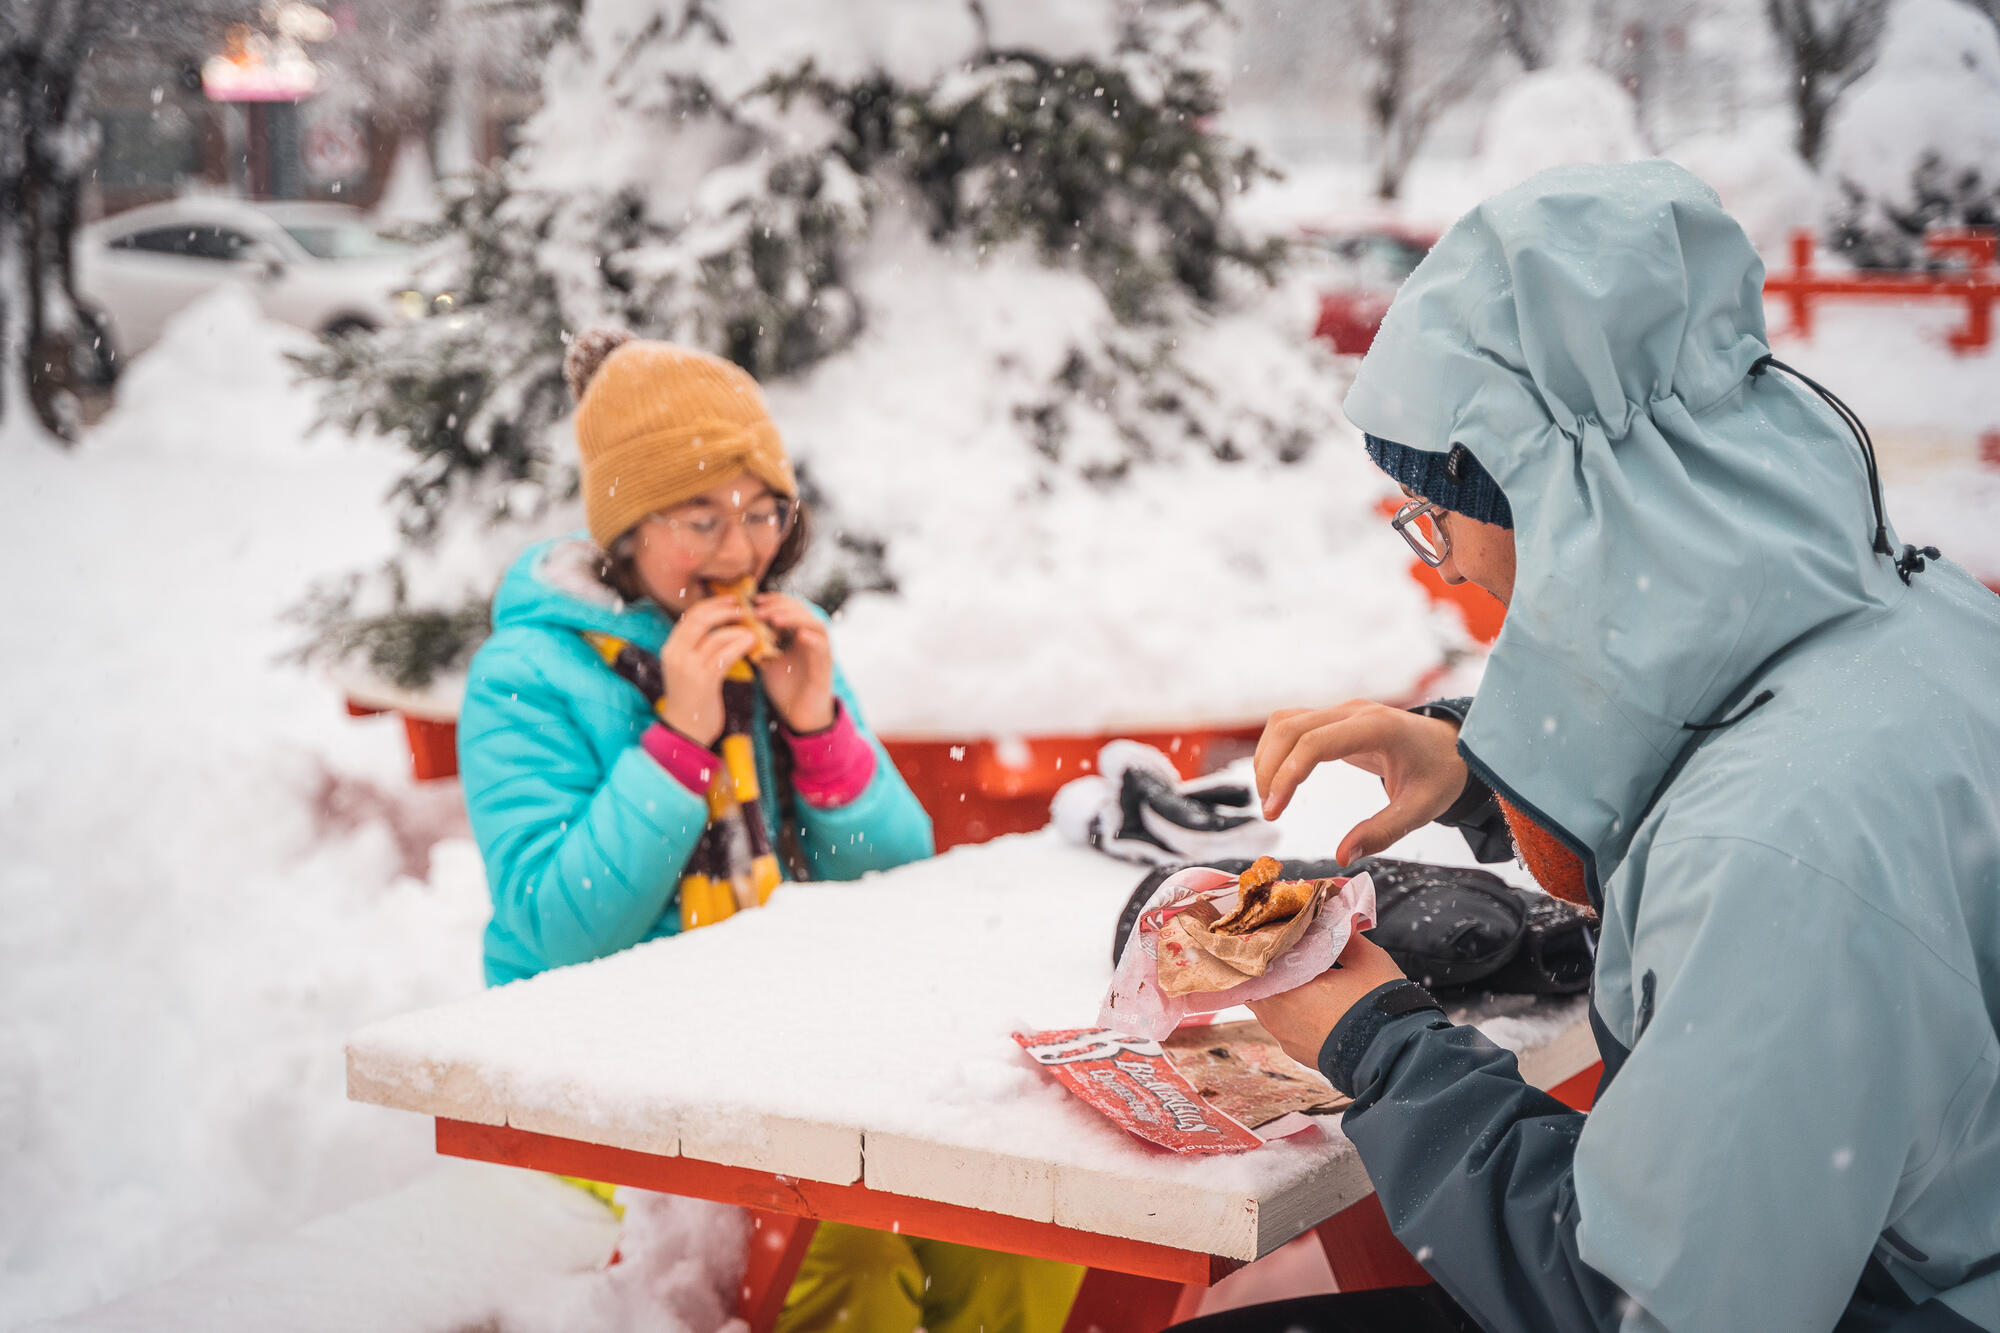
column 1679, row 521
column 554, row 584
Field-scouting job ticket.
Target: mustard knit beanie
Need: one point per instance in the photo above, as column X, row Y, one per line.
column 658, row 424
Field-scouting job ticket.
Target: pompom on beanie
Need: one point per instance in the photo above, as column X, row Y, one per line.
column 657, row 424
column 1453, row 480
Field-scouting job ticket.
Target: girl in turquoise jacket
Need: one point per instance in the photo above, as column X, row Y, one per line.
column 628, row 773
column 652, row 739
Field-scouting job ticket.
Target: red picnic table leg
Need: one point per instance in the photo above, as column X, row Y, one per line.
column 778, row 1244
column 1363, row 1253
column 1107, row 1302
column 1110, row 1302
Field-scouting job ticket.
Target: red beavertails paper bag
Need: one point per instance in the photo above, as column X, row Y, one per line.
column 1131, row 1080
column 1223, row 1087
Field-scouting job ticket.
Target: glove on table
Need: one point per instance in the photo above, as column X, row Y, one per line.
column 1137, row 808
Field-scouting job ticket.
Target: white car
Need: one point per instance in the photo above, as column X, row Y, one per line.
column 323, row 267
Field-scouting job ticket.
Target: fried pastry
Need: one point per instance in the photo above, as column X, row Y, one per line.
column 745, row 592
column 1263, row 898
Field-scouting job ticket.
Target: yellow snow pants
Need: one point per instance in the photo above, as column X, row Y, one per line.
column 862, row 1281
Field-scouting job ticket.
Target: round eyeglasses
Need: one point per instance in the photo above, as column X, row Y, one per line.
column 700, row 530
column 1420, row 522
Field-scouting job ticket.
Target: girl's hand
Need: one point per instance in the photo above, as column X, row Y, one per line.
column 799, row 677
column 1416, row 758
column 709, row 639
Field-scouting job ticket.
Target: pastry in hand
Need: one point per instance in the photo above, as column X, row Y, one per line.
column 1263, row 898
column 744, row 590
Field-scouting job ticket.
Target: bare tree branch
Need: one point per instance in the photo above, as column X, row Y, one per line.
column 1826, row 46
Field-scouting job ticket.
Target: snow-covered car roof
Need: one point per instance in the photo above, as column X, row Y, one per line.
column 1380, row 224
column 212, row 209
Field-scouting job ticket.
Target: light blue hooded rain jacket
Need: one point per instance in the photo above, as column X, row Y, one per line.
column 584, row 835
column 1798, row 985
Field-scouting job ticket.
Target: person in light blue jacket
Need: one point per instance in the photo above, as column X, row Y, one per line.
column 1759, row 735
column 653, row 739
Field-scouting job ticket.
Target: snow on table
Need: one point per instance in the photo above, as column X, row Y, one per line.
column 860, row 1033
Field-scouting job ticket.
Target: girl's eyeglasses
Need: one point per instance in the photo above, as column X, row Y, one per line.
column 1419, row 522
column 700, row 532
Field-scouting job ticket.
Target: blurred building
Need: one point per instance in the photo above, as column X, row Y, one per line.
column 270, row 110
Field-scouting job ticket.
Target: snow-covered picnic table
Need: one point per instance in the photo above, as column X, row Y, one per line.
column 845, row 1053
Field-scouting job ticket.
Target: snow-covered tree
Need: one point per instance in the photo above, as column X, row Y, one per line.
column 1531, row 29
column 1824, row 45
column 46, row 146
column 1420, row 58
column 982, row 258
column 1916, row 144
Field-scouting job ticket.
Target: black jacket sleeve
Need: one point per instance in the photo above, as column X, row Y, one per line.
column 1472, row 1165
column 1475, row 813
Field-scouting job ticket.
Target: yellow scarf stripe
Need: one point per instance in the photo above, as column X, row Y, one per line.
column 608, row 647
column 706, row 899
column 768, row 876
column 739, row 763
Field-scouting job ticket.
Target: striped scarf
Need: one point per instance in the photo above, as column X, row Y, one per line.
column 733, row 866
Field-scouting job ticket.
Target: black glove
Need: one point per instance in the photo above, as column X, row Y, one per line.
column 1137, row 808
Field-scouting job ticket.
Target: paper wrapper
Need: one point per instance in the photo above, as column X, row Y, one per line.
column 1240, row 1069
column 1194, row 958
column 1139, row 1001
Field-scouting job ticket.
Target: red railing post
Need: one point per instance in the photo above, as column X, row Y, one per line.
column 1972, row 279
column 1800, row 285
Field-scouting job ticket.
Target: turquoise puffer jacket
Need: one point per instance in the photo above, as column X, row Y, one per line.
column 583, row 834
column 1797, row 992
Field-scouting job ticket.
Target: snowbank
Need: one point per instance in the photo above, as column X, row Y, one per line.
column 1555, row 117
column 208, row 873
column 1933, row 90
column 1763, row 182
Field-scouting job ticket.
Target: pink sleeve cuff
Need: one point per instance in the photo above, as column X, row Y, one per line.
column 687, row 763
column 832, row 767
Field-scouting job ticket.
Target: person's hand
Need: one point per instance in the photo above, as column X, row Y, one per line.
column 709, row 639
column 1300, row 1019
column 798, row 679
column 1416, row 758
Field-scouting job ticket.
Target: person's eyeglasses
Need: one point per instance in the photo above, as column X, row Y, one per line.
column 700, row 532
column 1419, row 522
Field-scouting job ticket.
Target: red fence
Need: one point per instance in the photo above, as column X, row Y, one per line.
column 1975, row 282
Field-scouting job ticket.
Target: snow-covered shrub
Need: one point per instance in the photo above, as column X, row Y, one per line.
column 1555, row 117
column 981, row 257
column 1762, row 180
column 1917, row 143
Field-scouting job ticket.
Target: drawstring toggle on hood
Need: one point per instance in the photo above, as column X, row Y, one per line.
column 1911, row 561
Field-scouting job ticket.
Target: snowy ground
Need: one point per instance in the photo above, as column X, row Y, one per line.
column 210, row 875
column 205, row 868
